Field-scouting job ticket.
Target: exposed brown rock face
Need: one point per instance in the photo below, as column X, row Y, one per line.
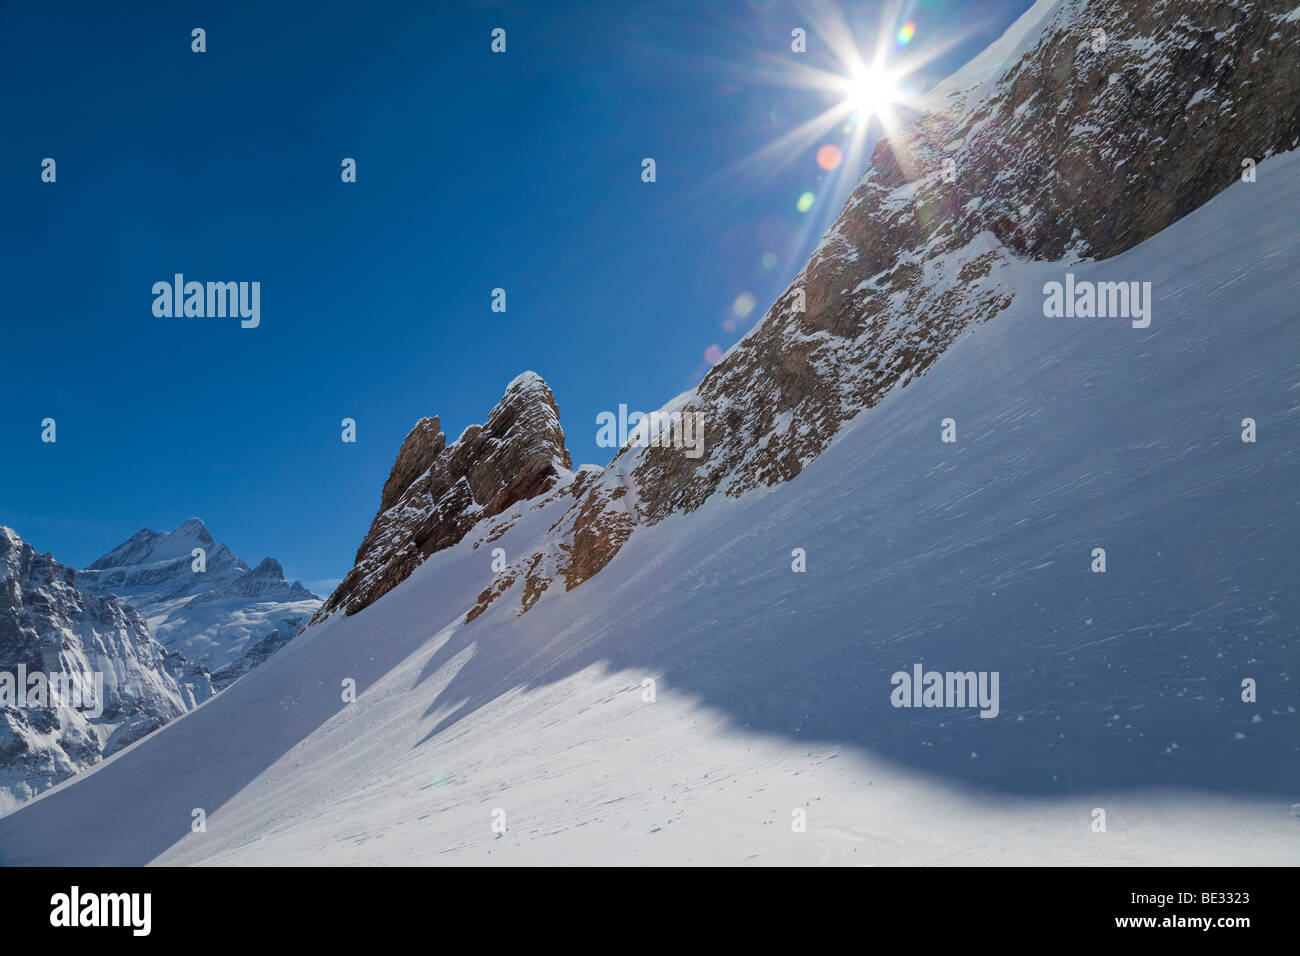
column 1058, row 151
column 585, row 538
column 437, row 492
column 597, row 524
column 1066, row 153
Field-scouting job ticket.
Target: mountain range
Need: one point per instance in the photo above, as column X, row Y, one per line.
column 163, row 636
column 49, row 625
column 226, row 617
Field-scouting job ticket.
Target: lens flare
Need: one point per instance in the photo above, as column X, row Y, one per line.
column 768, row 262
column 871, row 92
column 713, row 355
column 829, row 157
column 865, row 84
column 743, row 305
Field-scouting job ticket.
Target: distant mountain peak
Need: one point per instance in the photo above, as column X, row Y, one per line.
column 213, row 616
column 269, row 568
column 49, row 624
column 193, row 528
column 150, row 547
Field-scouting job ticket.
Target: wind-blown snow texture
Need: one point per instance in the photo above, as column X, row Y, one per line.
column 1118, row 690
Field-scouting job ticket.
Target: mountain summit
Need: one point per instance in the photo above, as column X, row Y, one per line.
column 214, row 610
column 50, row 626
column 437, row 492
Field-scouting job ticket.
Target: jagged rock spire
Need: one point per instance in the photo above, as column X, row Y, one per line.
column 436, row 492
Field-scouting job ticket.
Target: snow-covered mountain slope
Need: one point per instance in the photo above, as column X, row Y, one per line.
column 1119, row 691
column 227, row 617
column 1088, row 127
column 127, row 684
column 1056, row 143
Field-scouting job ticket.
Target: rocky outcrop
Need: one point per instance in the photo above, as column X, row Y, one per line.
column 599, row 516
column 437, row 492
column 1058, row 151
column 1058, row 142
column 49, row 626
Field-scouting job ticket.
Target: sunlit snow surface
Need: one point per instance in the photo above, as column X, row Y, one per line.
column 1119, row 691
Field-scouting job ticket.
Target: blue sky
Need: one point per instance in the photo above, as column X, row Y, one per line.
column 476, row 170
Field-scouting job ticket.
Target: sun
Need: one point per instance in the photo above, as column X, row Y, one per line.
column 870, row 91
column 866, row 86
